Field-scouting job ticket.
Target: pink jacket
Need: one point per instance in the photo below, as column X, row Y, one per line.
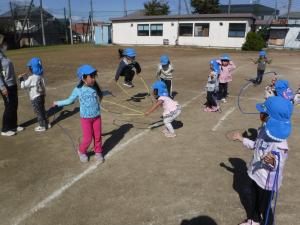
column 225, row 72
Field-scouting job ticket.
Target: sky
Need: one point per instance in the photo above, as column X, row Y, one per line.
column 105, row 9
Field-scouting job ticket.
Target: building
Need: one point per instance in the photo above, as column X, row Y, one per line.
column 205, row 30
column 285, row 32
column 261, row 12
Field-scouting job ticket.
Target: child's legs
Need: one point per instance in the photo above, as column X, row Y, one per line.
column 10, row 117
column 168, row 84
column 210, row 99
column 264, row 201
column 129, row 76
column 169, row 119
column 87, row 134
column 222, row 90
column 225, row 90
column 97, row 128
column 39, row 109
column 260, row 74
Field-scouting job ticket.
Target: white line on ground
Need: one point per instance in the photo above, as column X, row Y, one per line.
column 223, row 118
column 75, row 179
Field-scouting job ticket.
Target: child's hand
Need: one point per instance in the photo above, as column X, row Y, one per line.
column 54, row 104
column 269, row 159
column 237, row 137
column 146, row 114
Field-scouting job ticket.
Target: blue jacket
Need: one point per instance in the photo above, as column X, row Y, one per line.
column 88, row 99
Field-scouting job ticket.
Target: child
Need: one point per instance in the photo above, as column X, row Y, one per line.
column 35, row 85
column 128, row 66
column 270, row 151
column 227, row 66
column 89, row 94
column 165, row 72
column 212, row 87
column 261, row 66
column 270, row 89
column 171, row 108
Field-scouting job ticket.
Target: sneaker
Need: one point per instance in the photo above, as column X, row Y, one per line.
column 170, row 135
column 128, row 84
column 39, row 129
column 208, row 109
column 19, row 129
column 224, row 100
column 99, row 157
column 8, row 133
column 83, row 157
column 249, row 222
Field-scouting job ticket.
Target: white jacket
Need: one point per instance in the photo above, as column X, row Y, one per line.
column 35, row 85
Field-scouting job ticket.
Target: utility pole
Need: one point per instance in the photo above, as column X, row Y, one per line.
column 14, row 22
column 289, row 9
column 125, row 8
column 179, row 7
column 229, row 6
column 70, row 23
column 92, row 22
column 66, row 28
column 42, row 22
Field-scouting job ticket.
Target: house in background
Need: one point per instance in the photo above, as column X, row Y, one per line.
column 27, row 31
column 103, row 33
column 261, row 12
column 205, row 30
column 285, row 32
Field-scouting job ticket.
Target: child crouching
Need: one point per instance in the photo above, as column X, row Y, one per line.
column 171, row 108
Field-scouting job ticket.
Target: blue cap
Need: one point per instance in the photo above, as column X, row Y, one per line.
column 130, row 52
column 36, row 66
column 281, row 86
column 215, row 65
column 225, row 57
column 262, row 53
column 161, row 88
column 278, row 126
column 85, row 70
column 164, row 60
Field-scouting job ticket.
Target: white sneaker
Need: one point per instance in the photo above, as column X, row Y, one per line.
column 83, row 157
column 170, row 135
column 8, row 133
column 224, row 100
column 19, row 129
column 39, row 129
column 249, row 222
column 99, row 157
column 128, row 84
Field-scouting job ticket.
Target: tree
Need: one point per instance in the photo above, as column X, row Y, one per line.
column 156, row 7
column 205, row 6
column 254, row 42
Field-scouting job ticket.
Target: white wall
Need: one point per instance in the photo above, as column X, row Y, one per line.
column 125, row 33
column 290, row 39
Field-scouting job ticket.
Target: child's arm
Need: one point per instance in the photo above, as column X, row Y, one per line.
column 158, row 71
column 137, row 67
column 154, row 107
column 246, row 142
column 120, row 69
column 25, row 83
column 70, row 100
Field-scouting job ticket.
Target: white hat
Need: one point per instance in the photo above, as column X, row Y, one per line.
column 1, row 38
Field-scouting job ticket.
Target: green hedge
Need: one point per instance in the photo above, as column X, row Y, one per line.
column 254, row 42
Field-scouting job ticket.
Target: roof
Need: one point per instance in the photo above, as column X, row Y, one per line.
column 183, row 17
column 256, row 9
column 21, row 11
column 293, row 15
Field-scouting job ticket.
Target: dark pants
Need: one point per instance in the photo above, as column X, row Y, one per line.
column 260, row 74
column 211, row 99
column 223, row 90
column 10, row 117
column 128, row 76
column 39, row 108
column 168, row 84
column 260, row 201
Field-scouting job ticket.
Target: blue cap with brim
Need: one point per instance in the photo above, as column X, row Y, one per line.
column 278, row 126
column 161, row 88
column 85, row 70
column 36, row 66
column 164, row 60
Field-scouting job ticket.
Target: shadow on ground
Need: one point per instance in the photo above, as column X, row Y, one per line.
column 200, row 220
column 241, row 181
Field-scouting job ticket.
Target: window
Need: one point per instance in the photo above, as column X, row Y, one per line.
column 185, row 29
column 156, row 30
column 143, row 29
column 201, row 29
column 237, row 30
column 298, row 37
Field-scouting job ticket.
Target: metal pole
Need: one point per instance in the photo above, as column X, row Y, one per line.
column 289, row 9
column 70, row 22
column 229, row 6
column 92, row 22
column 66, row 28
column 14, row 23
column 42, row 22
column 276, row 8
column 179, row 7
column 125, row 8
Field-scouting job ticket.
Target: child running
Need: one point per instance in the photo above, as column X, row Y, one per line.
column 227, row 66
column 261, row 66
column 171, row 108
column 128, row 67
column 270, row 151
column 35, row 85
column 212, row 87
column 89, row 94
column 165, row 72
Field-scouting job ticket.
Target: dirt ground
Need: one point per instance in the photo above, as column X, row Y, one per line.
column 147, row 179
